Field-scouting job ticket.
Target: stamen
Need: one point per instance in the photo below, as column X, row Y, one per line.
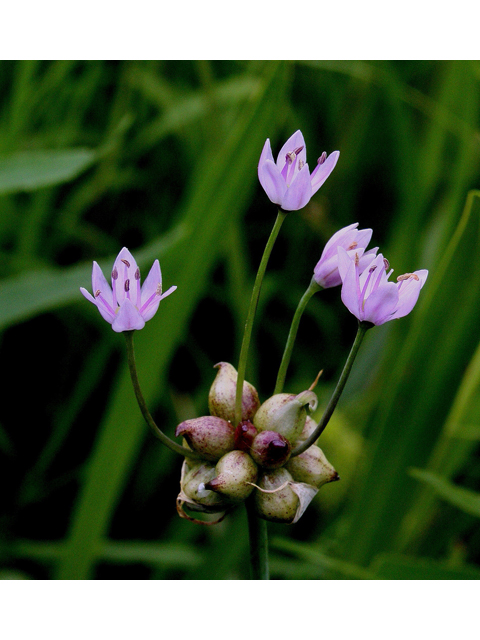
column 297, row 150
column 127, row 286
column 301, row 164
column 387, row 264
column 114, row 274
column 352, row 246
column 322, row 158
column 97, row 293
column 408, row 276
column 372, row 269
column 357, row 259
column 126, row 262
column 290, row 157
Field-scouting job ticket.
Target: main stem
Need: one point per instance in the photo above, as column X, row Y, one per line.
column 287, row 354
column 258, row 535
column 157, row 432
column 242, row 363
column 362, row 329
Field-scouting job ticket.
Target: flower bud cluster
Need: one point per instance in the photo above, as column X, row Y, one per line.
column 252, row 458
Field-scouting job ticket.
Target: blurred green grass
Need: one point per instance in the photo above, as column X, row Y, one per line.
column 161, row 157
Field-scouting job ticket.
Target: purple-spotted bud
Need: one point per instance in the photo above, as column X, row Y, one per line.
column 221, row 399
column 235, row 473
column 270, row 449
column 209, row 436
column 244, row 435
column 285, row 413
column 312, row 467
column 194, row 486
column 275, row 500
column 308, row 429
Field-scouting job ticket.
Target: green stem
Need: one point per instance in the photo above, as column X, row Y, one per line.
column 258, row 535
column 157, row 432
column 242, row 363
column 362, row 329
column 287, row 354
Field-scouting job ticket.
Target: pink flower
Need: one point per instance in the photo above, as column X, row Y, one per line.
column 288, row 182
column 128, row 306
column 370, row 296
column 326, row 272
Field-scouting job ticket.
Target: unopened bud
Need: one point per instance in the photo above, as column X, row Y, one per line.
column 312, row 467
column 285, row 413
column 244, row 435
column 235, row 473
column 275, row 500
column 270, row 449
column 221, row 399
column 194, row 485
column 209, row 436
column 308, row 429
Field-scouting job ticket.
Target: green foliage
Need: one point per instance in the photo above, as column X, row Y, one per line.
column 161, row 157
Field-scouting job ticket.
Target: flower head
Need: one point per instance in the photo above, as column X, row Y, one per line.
column 370, row 296
column 288, row 182
column 354, row 241
column 126, row 305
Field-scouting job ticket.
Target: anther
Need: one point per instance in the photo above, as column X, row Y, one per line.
column 97, row 293
column 387, row 264
column 114, row 274
column 408, row 276
column 322, row 158
column 372, row 269
column 290, row 157
column 297, row 150
column 126, row 262
column 158, row 291
column 352, row 246
column 137, row 274
column 357, row 259
column 301, row 164
column 127, row 285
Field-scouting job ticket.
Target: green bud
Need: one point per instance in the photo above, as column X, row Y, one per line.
column 194, row 486
column 308, row 429
column 270, row 449
column 312, row 467
column 285, row 413
column 281, row 504
column 235, row 472
column 221, row 398
column 209, row 436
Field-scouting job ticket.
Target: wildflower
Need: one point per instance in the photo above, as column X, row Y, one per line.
column 354, row 241
column 128, row 306
column 288, row 182
column 370, row 296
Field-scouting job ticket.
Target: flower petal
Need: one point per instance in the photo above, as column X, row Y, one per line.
column 128, row 318
column 408, row 294
column 350, row 288
column 322, row 171
column 299, row 193
column 99, row 283
column 380, row 303
column 272, row 181
column 295, row 141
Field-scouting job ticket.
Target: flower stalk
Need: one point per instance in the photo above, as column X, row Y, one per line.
column 258, row 536
column 303, row 446
column 242, row 363
column 157, row 432
column 287, row 354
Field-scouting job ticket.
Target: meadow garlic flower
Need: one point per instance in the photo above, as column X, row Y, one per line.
column 370, row 296
column 288, row 182
column 354, row 241
column 127, row 305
